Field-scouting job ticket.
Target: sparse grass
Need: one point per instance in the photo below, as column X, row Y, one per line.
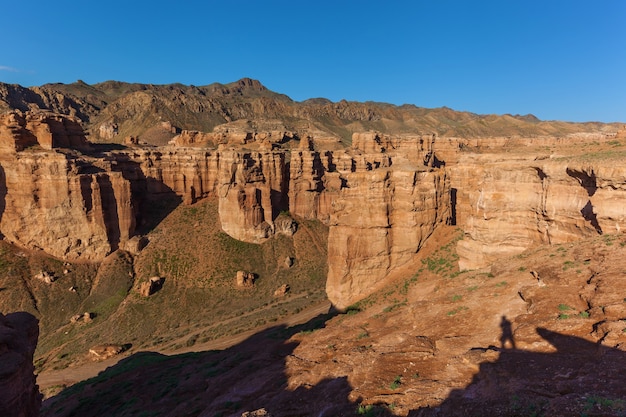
column 457, row 310
column 567, row 265
column 444, row 261
column 395, row 384
column 393, row 307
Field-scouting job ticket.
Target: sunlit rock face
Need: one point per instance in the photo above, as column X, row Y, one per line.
column 381, row 198
column 507, row 205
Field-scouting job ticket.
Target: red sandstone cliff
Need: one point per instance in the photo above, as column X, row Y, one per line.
column 381, row 198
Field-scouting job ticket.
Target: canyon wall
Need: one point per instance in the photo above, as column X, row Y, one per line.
column 506, row 205
column 70, row 209
column 19, row 394
column 381, row 198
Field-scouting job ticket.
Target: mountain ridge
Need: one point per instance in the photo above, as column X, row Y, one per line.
column 136, row 109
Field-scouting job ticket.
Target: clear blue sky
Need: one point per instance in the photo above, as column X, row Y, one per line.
column 557, row 59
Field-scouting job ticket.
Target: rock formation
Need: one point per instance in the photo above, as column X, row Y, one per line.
column 381, row 198
column 245, row 279
column 48, row 130
column 19, row 394
column 507, row 205
column 151, row 286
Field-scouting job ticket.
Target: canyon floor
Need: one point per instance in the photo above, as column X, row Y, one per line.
column 541, row 333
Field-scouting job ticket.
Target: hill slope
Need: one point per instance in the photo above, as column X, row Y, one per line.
column 113, row 110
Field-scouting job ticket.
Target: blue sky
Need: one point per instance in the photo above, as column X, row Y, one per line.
column 557, row 59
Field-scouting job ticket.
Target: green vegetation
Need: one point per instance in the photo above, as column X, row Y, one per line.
column 397, row 381
column 594, row 404
column 370, row 410
column 444, row 261
column 457, row 310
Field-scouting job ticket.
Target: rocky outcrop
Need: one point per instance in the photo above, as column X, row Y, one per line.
column 48, row 130
column 379, row 221
column 381, row 198
column 245, row 279
column 381, row 201
column 506, row 205
column 19, row 394
column 151, row 286
column 252, row 192
column 67, row 207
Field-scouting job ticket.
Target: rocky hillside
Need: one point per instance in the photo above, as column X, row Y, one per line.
column 259, row 208
column 113, row 111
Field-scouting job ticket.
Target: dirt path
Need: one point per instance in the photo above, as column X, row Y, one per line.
column 72, row 375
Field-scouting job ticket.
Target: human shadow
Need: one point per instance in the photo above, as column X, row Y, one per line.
column 507, row 333
column 249, row 376
column 578, row 378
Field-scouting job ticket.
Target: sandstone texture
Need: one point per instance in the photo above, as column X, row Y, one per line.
column 381, row 198
column 19, row 394
column 507, row 204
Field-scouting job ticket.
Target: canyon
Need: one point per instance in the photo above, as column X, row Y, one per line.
column 381, row 198
column 363, row 193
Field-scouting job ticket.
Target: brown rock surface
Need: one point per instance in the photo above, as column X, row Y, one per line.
column 103, row 352
column 509, row 204
column 252, row 192
column 19, row 394
column 244, row 279
column 48, row 130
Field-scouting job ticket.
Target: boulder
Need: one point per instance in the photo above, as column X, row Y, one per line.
column 46, row 277
column 153, row 285
column 105, row 351
column 245, row 279
column 282, row 290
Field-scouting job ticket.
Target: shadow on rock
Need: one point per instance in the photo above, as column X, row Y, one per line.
column 580, row 378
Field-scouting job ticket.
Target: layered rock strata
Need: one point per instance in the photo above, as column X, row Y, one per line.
column 506, row 205
column 64, row 206
column 381, row 198
column 48, row 130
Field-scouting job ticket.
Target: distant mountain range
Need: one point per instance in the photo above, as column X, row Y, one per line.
column 113, row 110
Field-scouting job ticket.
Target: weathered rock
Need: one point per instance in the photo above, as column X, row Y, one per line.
column 380, row 220
column 135, row 244
column 105, row 351
column 19, row 394
column 88, row 317
column 261, row 412
column 282, row 290
column 62, row 206
column 245, row 279
column 108, row 130
column 507, row 205
column 46, row 277
column 252, row 192
column 48, row 130
column 153, row 285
